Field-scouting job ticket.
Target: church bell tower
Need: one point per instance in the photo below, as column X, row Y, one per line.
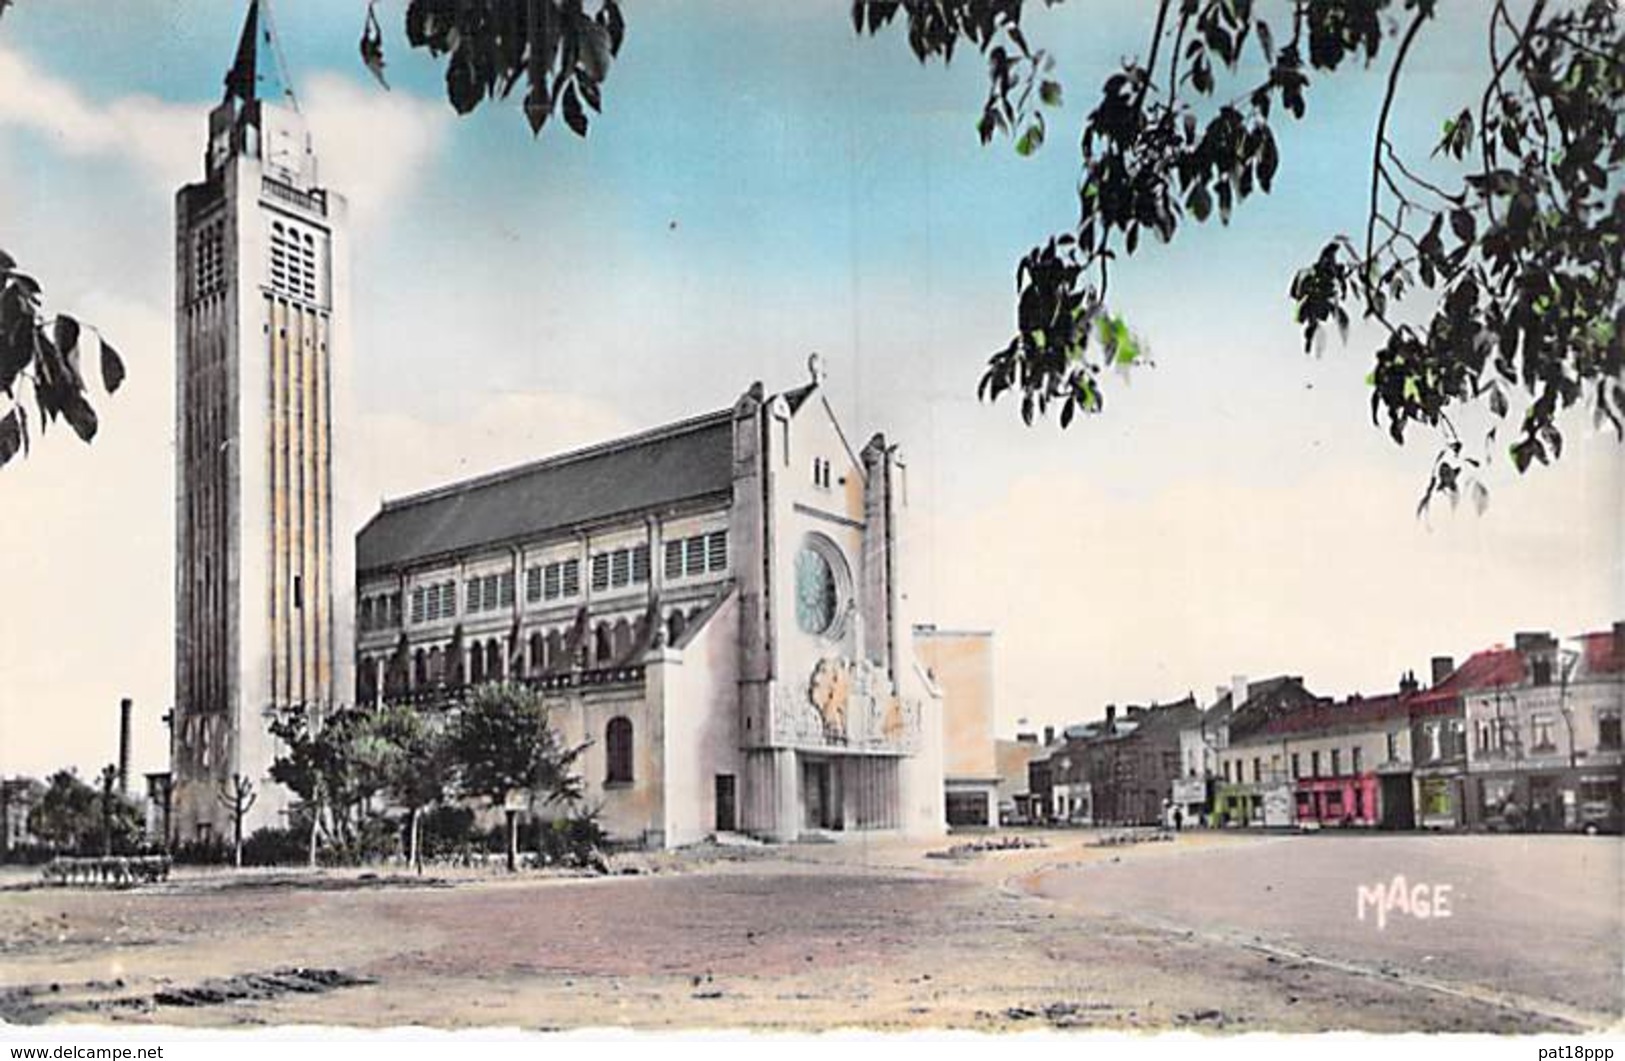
column 262, row 563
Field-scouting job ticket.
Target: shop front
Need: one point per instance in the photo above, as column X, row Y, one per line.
column 1344, row 801
column 1573, row 799
column 1441, row 800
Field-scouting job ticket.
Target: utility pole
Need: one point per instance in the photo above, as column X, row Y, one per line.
column 109, row 779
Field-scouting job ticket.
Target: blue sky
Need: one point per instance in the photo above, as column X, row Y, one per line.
column 1233, row 512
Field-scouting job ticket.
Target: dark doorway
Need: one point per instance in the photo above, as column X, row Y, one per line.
column 820, row 811
column 1545, row 808
column 725, row 804
column 1398, row 802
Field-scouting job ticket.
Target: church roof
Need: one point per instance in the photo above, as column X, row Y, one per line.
column 665, row 466
column 256, row 73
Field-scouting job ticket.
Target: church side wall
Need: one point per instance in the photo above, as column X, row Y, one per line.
column 701, row 684
column 631, row 812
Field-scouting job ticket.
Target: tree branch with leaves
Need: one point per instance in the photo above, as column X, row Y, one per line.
column 41, row 357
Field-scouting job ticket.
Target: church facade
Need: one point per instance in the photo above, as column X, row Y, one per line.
column 716, row 608
column 261, row 286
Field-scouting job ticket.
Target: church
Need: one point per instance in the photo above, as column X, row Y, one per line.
column 716, row 608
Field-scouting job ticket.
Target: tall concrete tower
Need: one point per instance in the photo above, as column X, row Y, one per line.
column 261, row 561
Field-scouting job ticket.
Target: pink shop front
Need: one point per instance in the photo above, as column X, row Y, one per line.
column 1338, row 800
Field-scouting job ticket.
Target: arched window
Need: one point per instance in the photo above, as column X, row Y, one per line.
column 437, row 665
column 420, row 668
column 602, row 648
column 676, row 623
column 476, row 661
column 538, row 652
column 555, row 651
column 623, row 639
column 493, row 661
column 618, row 751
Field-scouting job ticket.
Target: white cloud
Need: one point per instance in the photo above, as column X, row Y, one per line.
column 165, row 140
column 372, row 144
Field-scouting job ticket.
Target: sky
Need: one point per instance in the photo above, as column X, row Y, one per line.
column 764, row 184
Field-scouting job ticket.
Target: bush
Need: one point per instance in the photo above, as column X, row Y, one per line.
column 211, row 852
column 273, row 846
column 575, row 840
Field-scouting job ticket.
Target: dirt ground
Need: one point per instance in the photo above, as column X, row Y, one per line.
column 807, row 937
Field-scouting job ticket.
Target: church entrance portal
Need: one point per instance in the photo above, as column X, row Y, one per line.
column 818, row 797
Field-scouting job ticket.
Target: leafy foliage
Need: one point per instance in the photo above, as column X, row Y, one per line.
column 560, row 51
column 42, row 354
column 502, row 742
column 575, row 840
column 327, row 764
column 1019, row 82
column 72, row 816
column 1518, row 258
column 406, row 754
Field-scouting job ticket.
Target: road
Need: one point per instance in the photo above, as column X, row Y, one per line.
column 1213, row 932
column 1532, row 916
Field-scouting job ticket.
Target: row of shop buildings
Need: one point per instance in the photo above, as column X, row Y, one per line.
column 1526, row 737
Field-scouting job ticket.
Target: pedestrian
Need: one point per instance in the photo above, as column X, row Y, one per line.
column 1179, row 819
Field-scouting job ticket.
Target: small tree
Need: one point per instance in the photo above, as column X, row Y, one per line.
column 319, row 766
column 407, row 756
column 238, row 797
column 502, row 744
column 67, row 811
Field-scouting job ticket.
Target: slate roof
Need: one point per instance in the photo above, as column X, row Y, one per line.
column 671, row 464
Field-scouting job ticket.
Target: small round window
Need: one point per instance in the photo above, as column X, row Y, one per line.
column 818, row 587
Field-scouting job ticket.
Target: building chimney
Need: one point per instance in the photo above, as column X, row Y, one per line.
column 124, row 706
column 1619, row 639
column 1049, row 736
column 1239, row 690
column 1407, row 682
column 1442, row 668
column 1527, row 641
column 1111, row 717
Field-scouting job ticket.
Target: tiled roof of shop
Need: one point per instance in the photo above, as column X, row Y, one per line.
column 1483, row 670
